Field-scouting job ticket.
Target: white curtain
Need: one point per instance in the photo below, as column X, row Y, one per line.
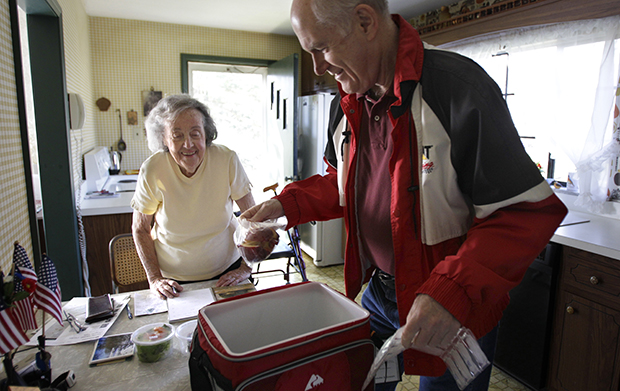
column 571, row 109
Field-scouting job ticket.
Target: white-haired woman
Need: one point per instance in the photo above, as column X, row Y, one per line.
column 183, row 221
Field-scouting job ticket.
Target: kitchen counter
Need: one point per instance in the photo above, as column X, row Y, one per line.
column 585, row 231
column 113, row 205
column 104, row 218
column 599, row 235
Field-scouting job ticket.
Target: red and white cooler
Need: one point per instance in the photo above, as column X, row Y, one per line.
column 305, row 337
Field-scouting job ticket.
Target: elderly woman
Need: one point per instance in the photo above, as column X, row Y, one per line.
column 183, row 221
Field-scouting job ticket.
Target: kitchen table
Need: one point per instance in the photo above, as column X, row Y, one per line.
column 170, row 373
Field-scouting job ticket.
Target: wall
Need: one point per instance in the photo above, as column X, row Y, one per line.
column 78, row 69
column 14, row 224
column 130, row 56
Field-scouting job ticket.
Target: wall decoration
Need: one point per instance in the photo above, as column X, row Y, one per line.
column 103, row 104
column 150, row 99
column 132, row 117
column 462, row 11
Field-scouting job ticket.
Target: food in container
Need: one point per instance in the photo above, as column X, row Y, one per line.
column 153, row 341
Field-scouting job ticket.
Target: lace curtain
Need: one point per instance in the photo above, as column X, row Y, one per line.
column 562, row 113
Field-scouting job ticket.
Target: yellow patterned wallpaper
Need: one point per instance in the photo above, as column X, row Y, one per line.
column 116, row 59
column 14, row 223
column 78, row 69
column 130, row 56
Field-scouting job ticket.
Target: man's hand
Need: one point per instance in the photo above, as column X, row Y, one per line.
column 271, row 209
column 430, row 327
column 236, row 276
column 165, row 288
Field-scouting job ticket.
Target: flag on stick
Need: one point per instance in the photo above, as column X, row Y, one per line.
column 24, row 279
column 47, row 295
column 11, row 334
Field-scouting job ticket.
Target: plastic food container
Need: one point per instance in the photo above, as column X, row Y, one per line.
column 153, row 341
column 184, row 334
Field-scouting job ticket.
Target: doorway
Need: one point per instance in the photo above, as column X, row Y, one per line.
column 235, row 98
column 247, row 99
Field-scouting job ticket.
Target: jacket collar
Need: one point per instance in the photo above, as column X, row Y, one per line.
column 408, row 70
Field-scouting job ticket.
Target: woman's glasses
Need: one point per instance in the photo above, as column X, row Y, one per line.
column 73, row 322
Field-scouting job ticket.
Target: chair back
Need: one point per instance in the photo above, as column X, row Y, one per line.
column 127, row 271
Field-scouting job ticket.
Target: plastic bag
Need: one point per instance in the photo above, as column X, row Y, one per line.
column 256, row 240
column 464, row 358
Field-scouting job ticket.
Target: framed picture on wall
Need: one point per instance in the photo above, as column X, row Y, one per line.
column 150, row 99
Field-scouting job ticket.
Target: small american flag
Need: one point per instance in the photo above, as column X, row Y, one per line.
column 23, row 311
column 47, row 295
column 11, row 336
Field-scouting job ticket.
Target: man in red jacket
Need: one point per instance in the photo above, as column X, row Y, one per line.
column 444, row 209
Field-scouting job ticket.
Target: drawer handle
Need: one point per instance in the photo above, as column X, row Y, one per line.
column 570, row 310
column 594, row 280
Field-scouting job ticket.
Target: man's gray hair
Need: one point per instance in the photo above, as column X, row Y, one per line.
column 167, row 111
column 337, row 13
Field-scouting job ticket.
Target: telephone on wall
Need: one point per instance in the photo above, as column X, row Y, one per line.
column 77, row 111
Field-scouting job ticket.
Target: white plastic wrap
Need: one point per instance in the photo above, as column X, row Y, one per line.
column 256, row 240
column 464, row 358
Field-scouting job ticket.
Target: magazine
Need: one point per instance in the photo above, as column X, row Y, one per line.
column 112, row 348
column 224, row 292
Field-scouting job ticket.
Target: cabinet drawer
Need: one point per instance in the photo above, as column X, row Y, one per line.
column 592, row 274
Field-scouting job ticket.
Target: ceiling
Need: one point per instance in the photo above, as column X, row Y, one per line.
column 265, row 16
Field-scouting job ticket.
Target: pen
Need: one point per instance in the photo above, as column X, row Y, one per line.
column 129, row 314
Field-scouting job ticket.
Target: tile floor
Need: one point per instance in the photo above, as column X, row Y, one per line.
column 332, row 276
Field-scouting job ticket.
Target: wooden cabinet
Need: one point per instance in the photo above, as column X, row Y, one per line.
column 310, row 82
column 585, row 350
column 98, row 231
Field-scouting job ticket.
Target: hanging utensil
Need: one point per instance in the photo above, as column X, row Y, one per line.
column 121, row 144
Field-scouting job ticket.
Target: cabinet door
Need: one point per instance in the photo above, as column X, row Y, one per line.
column 99, row 230
column 586, row 349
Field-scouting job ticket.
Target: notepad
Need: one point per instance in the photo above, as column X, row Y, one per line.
column 187, row 304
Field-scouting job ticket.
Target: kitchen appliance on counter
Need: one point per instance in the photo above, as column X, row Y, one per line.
column 115, row 162
column 97, row 167
column 321, row 240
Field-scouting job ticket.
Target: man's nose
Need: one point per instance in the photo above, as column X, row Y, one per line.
column 320, row 65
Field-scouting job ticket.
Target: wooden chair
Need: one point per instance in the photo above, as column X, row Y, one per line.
column 125, row 266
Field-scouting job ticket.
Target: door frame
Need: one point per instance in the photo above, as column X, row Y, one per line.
column 186, row 58
column 47, row 62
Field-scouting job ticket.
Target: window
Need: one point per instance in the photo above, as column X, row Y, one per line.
column 559, row 82
column 236, row 98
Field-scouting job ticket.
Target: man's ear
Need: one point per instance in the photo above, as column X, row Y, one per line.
column 367, row 19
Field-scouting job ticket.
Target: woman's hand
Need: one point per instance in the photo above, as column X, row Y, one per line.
column 236, row 276
column 430, row 327
column 165, row 288
column 271, row 209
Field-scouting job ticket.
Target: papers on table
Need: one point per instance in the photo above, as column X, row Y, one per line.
column 56, row 335
column 196, row 295
column 148, row 303
column 188, row 303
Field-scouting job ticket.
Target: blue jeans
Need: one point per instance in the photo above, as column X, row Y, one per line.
column 380, row 300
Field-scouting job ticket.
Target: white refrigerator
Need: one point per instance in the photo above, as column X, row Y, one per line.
column 323, row 240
